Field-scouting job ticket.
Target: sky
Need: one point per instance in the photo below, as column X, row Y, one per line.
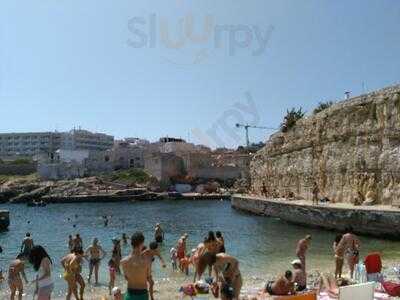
column 190, row 69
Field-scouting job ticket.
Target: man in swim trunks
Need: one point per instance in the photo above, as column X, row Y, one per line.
column 77, row 242
column 158, row 233
column 149, row 254
column 27, row 245
column 282, row 287
column 301, row 250
column 95, row 253
column 349, row 248
column 137, row 270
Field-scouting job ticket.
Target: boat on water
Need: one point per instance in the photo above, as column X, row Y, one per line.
column 4, row 219
column 36, row 204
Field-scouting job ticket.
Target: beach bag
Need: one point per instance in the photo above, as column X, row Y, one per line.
column 392, row 288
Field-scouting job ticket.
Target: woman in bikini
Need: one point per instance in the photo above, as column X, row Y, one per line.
column 72, row 273
column 15, row 271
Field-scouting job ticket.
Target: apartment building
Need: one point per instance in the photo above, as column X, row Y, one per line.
column 31, row 144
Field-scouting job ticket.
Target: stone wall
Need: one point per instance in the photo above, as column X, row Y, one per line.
column 351, row 150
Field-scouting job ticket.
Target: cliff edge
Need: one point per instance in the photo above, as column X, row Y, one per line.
column 351, row 150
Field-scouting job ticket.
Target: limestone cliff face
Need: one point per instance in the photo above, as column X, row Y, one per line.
column 351, row 150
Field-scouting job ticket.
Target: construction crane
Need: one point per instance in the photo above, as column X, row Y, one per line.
column 246, row 128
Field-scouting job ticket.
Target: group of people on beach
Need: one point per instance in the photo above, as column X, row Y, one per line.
column 345, row 247
column 221, row 271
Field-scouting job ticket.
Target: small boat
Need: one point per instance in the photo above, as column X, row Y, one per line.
column 36, row 204
column 174, row 195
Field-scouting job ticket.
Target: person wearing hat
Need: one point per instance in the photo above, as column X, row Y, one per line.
column 299, row 276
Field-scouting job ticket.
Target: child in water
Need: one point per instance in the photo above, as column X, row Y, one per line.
column 174, row 257
column 112, row 269
column 184, row 264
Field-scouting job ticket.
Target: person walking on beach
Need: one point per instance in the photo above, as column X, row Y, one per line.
column 158, row 233
column 42, row 264
column 227, row 273
column 315, row 192
column 15, row 271
column 116, row 253
column 95, row 253
column 136, row 269
column 301, row 250
column 349, row 247
column 339, row 257
column 27, row 245
column 149, row 254
column 72, row 273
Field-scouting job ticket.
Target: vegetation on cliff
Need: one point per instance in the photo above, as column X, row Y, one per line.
column 322, row 106
column 292, row 116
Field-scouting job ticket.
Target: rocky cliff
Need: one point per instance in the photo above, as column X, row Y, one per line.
column 351, row 150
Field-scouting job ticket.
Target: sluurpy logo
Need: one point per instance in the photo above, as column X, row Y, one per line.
column 197, row 39
column 223, row 132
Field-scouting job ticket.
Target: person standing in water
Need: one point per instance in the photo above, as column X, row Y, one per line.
column 116, row 253
column 158, row 233
column 15, row 271
column 124, row 239
column 339, row 258
column 70, row 243
column 349, row 247
column 301, row 250
column 149, row 254
column 27, row 245
column 72, row 273
column 95, row 253
column 42, row 264
column 77, row 242
column 181, row 247
column 136, row 269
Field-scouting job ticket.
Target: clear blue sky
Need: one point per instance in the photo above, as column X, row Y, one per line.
column 72, row 63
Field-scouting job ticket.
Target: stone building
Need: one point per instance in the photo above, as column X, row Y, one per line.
column 125, row 155
column 164, row 166
column 69, row 164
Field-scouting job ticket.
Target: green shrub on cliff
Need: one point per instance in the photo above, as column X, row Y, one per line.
column 292, row 116
column 322, row 106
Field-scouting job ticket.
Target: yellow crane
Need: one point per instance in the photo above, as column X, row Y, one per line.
column 246, row 128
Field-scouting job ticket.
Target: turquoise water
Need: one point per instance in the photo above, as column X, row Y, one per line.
column 264, row 246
